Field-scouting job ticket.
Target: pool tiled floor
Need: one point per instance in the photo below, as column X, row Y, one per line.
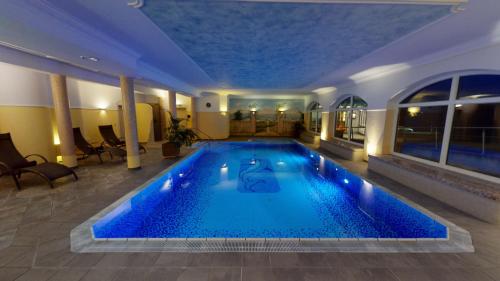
column 35, row 224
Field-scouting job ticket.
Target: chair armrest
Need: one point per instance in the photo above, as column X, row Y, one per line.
column 38, row 155
column 4, row 167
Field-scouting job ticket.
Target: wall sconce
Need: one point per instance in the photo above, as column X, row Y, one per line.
column 371, row 149
column 102, row 105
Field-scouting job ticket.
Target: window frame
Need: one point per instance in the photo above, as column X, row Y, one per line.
column 315, row 107
column 450, row 103
column 349, row 111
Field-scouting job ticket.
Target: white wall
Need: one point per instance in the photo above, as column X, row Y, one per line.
column 213, row 99
column 23, row 87
column 379, row 90
column 85, row 94
column 27, row 87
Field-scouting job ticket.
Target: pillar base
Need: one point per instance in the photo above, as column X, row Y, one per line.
column 133, row 162
column 70, row 161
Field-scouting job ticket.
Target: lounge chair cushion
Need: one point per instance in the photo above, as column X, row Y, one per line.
column 51, row 170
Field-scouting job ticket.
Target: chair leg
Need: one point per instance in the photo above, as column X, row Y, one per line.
column 100, row 159
column 75, row 175
column 14, row 176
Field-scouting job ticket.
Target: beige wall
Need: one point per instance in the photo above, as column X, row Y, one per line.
column 144, row 113
column 374, row 138
column 90, row 119
column 31, row 128
column 34, row 131
column 214, row 124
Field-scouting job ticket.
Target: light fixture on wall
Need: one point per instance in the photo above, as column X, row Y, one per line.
column 371, row 148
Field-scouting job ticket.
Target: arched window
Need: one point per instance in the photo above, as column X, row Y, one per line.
column 314, row 109
column 350, row 120
column 453, row 126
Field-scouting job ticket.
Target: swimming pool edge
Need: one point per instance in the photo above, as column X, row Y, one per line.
column 83, row 239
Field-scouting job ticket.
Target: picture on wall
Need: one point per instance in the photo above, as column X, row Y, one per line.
column 267, row 109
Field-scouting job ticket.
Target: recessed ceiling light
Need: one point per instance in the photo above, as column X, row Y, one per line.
column 94, row 59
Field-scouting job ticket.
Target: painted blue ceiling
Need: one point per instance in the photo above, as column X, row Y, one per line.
column 258, row 45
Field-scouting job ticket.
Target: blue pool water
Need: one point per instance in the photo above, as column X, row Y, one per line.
column 263, row 189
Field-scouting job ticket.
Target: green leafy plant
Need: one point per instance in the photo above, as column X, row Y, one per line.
column 179, row 134
column 238, row 115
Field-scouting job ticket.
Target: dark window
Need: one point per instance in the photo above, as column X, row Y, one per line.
column 315, row 117
column 350, row 120
column 342, row 124
column 420, row 131
column 439, row 91
column 475, row 138
column 358, row 126
column 345, row 103
column 358, row 102
column 479, row 86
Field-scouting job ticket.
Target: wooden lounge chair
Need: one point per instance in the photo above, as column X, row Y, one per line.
column 110, row 138
column 86, row 148
column 13, row 163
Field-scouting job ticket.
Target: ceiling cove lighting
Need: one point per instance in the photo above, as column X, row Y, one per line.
column 325, row 90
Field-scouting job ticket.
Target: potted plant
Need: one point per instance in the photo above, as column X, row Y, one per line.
column 238, row 116
column 176, row 136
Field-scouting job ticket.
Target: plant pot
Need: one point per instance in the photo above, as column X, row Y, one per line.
column 171, row 149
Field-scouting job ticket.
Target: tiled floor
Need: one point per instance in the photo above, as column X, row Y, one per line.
column 37, row 220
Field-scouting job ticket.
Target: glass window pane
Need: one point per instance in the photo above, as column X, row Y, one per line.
column 475, row 138
column 345, row 103
column 315, row 121
column 358, row 102
column 358, row 126
column 341, row 125
column 436, row 92
column 420, row 131
column 479, row 86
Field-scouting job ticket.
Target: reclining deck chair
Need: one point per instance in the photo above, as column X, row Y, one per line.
column 86, row 148
column 110, row 138
column 13, row 163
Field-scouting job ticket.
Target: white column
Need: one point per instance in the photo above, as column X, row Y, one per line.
column 172, row 105
column 63, row 119
column 130, row 122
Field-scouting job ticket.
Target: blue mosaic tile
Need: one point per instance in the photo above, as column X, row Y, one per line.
column 264, row 189
column 257, row 176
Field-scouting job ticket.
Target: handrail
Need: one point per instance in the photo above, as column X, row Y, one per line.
column 209, row 143
column 196, row 129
